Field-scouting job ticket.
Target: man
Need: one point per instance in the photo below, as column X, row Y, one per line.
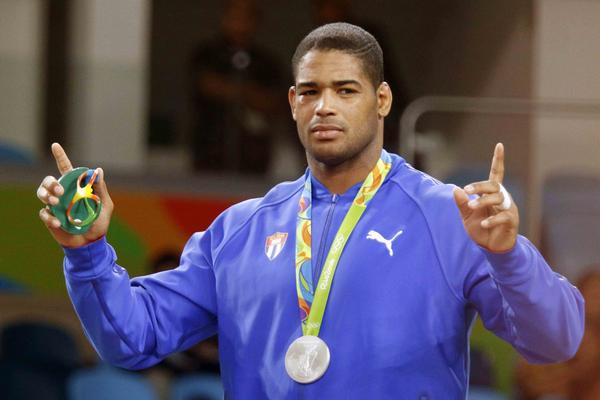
column 406, row 263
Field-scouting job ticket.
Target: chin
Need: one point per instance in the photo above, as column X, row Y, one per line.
column 329, row 155
column 338, row 151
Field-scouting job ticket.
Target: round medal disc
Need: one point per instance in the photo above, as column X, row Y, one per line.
column 307, row 359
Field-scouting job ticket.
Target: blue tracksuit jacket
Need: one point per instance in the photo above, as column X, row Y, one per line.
column 398, row 317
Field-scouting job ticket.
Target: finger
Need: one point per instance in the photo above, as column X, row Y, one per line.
column 484, row 187
column 495, row 220
column 497, row 169
column 49, row 190
column 62, row 161
column 46, row 198
column 462, row 201
column 48, row 219
column 52, row 185
column 42, row 194
column 489, row 200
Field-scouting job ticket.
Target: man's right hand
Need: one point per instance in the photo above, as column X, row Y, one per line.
column 50, row 190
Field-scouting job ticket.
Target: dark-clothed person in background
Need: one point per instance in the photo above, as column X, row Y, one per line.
column 235, row 83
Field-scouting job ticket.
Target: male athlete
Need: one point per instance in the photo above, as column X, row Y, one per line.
column 359, row 280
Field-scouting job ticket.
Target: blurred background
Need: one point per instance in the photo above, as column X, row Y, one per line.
column 184, row 105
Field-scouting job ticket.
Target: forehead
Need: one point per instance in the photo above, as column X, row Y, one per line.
column 333, row 65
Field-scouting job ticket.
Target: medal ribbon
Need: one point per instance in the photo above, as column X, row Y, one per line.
column 313, row 300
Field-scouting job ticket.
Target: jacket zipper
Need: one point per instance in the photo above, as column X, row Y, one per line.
column 319, row 265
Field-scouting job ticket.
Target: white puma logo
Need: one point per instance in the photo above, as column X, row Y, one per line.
column 374, row 235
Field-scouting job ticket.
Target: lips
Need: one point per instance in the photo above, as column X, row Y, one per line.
column 326, row 131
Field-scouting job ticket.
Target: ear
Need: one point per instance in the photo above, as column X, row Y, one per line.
column 292, row 100
column 384, row 100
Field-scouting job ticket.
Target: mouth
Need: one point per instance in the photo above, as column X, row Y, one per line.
column 326, row 131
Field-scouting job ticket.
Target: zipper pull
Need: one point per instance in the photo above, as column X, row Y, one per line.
column 334, row 198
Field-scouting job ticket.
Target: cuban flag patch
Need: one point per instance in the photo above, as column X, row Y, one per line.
column 274, row 244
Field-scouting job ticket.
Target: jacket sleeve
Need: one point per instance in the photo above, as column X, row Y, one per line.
column 522, row 300
column 134, row 323
column 516, row 293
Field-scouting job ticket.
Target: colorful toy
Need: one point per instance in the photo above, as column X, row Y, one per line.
column 78, row 207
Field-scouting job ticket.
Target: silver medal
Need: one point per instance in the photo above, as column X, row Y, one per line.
column 307, row 359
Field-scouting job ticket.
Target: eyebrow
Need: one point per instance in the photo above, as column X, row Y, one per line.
column 347, row 82
column 311, row 84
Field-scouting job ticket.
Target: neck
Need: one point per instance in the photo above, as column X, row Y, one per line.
column 339, row 178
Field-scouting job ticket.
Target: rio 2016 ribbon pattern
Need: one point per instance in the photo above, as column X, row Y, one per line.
column 313, row 299
column 78, row 207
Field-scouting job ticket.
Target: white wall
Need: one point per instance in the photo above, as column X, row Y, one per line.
column 567, row 66
column 107, row 88
column 21, row 73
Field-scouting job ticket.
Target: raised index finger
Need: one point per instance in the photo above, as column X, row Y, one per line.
column 497, row 170
column 62, row 161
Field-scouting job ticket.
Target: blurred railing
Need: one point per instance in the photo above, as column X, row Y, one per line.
column 485, row 105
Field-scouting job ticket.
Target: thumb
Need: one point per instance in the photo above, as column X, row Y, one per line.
column 461, row 199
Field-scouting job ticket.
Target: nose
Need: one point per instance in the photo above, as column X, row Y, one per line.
column 325, row 105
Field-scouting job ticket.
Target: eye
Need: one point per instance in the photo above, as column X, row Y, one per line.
column 346, row 91
column 308, row 92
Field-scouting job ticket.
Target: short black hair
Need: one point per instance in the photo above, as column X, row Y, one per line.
column 346, row 38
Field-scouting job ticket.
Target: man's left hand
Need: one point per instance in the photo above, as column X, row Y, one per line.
column 485, row 220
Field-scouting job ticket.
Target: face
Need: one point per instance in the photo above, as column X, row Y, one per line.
column 338, row 112
column 239, row 22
